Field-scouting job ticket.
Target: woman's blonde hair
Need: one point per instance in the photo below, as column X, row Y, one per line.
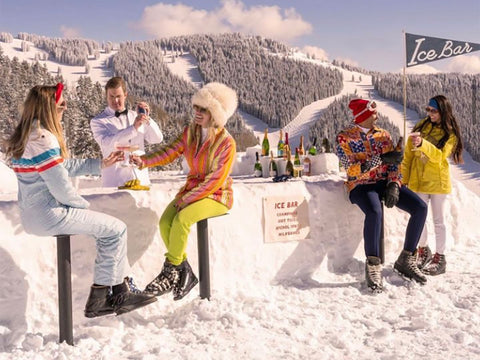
column 39, row 105
column 196, row 133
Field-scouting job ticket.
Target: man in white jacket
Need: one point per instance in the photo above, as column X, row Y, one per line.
column 117, row 128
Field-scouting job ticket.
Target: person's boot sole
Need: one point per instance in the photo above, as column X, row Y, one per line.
column 125, row 309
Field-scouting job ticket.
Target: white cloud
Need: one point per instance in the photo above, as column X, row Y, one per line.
column 464, row 64
column 69, row 32
column 164, row 20
column 315, row 51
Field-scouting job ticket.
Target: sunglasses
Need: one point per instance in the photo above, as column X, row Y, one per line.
column 431, row 110
column 200, row 109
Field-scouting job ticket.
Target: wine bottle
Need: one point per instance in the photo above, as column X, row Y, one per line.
column 286, row 147
column 265, row 144
column 272, row 166
column 313, row 148
column 280, row 145
column 257, row 168
column 307, row 166
column 301, row 149
column 289, row 166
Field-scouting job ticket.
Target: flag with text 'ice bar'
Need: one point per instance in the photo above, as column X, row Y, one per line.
column 424, row 49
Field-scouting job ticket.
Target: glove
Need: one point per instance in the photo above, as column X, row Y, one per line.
column 392, row 194
column 392, row 157
column 370, row 164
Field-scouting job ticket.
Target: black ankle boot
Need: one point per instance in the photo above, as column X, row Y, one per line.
column 186, row 281
column 124, row 300
column 165, row 281
column 99, row 302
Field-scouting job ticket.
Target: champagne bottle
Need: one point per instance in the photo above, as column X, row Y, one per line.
column 297, row 165
column 313, row 148
column 272, row 166
column 257, row 168
column 265, row 144
column 289, row 166
column 301, row 149
column 286, row 147
column 297, row 157
column 280, row 145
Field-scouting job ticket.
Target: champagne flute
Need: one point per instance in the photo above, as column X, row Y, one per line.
column 127, row 149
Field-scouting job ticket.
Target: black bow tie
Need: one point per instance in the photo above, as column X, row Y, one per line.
column 118, row 113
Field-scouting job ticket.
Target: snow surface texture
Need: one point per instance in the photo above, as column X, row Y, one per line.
column 294, row 300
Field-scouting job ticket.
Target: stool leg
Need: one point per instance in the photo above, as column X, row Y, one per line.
column 203, row 259
column 64, row 289
column 382, row 237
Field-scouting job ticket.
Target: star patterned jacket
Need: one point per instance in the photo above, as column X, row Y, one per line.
column 360, row 152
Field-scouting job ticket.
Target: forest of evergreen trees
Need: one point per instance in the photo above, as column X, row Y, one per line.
column 460, row 89
column 270, row 86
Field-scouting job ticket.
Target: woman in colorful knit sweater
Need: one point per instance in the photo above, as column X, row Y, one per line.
column 426, row 171
column 210, row 152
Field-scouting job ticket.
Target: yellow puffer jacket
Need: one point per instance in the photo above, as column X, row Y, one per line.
column 425, row 169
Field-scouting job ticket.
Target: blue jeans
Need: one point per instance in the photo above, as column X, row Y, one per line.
column 110, row 233
column 368, row 198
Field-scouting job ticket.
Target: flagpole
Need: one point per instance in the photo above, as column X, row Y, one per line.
column 404, row 90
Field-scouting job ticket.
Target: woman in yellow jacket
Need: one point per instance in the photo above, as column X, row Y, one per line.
column 426, row 171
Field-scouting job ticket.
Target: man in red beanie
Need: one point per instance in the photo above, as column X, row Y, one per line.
column 372, row 164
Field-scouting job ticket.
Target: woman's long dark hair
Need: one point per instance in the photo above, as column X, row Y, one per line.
column 449, row 125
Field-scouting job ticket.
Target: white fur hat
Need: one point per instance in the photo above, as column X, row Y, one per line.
column 219, row 99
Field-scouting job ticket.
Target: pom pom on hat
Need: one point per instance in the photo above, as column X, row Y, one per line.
column 362, row 109
column 219, row 99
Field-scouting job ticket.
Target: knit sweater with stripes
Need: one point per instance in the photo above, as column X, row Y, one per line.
column 210, row 165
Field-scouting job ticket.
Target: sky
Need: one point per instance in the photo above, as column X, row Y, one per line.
column 366, row 34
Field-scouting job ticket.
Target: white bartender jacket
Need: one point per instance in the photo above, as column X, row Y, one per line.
column 108, row 130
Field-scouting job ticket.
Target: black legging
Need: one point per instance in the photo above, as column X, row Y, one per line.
column 368, row 197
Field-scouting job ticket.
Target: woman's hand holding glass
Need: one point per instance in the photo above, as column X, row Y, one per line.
column 136, row 160
column 416, row 139
column 114, row 157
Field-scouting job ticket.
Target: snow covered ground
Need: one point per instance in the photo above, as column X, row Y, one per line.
column 293, row 300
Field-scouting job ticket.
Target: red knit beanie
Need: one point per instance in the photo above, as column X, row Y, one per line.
column 58, row 92
column 362, row 109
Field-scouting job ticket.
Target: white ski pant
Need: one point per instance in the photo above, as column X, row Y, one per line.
column 437, row 205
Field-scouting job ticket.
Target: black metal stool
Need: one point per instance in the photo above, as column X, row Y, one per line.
column 204, row 257
column 64, row 269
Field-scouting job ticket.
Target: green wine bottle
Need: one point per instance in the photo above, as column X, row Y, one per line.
column 265, row 144
column 272, row 166
column 257, row 168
